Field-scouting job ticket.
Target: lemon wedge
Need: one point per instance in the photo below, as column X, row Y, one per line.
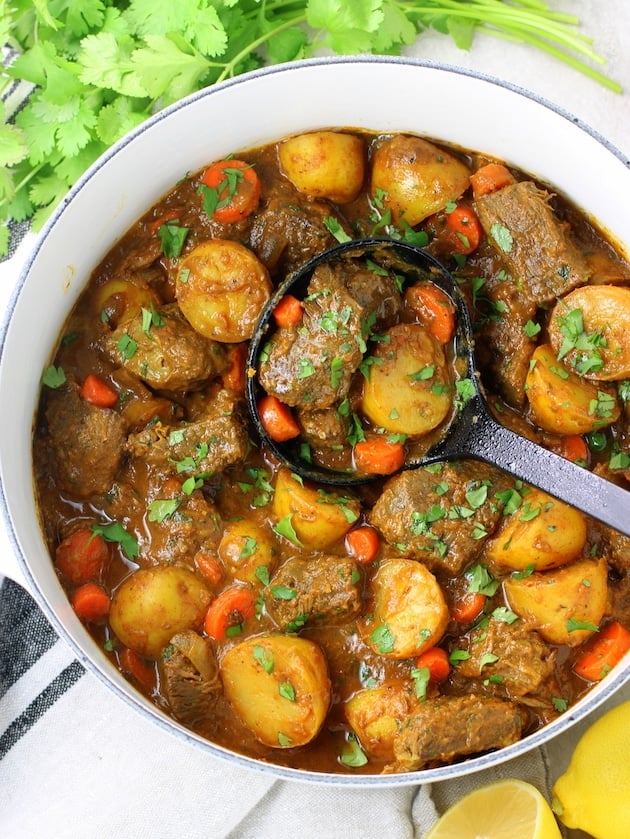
column 508, row 809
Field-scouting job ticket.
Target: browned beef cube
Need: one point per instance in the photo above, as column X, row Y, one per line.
column 449, row 727
column 323, row 589
column 206, row 446
column 168, row 354
column 515, row 660
column 441, row 515
column 533, row 244
column 86, row 442
column 189, row 673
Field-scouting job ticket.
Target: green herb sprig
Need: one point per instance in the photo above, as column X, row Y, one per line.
column 99, row 68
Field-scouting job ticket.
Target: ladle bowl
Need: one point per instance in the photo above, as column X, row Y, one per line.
column 472, row 431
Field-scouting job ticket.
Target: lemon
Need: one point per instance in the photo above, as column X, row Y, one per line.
column 507, row 809
column 594, row 793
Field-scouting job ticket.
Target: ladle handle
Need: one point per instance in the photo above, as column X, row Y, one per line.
column 485, row 439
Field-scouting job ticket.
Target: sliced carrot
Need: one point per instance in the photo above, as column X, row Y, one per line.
column 289, row 311
column 235, row 187
column 229, row 610
column 135, row 666
column 573, row 447
column 435, row 659
column 210, row 566
column 490, row 178
column 91, row 602
column 83, row 556
column 233, row 377
column 363, row 543
column 434, row 310
column 277, row 419
column 468, row 607
column 602, row 651
column 465, row 228
column 378, row 456
column 98, row 392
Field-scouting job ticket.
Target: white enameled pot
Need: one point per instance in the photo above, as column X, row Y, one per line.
column 384, row 94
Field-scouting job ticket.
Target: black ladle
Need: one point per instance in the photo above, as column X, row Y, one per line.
column 472, row 431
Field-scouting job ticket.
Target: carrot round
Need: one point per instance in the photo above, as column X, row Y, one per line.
column 135, row 666
column 379, row 456
column 233, row 378
column 602, row 651
column 434, row 310
column 468, row 607
column 573, row 447
column 236, row 189
column 277, row 419
column 91, row 602
column 289, row 311
column 490, row 178
column 229, row 610
column 98, row 392
column 465, row 228
column 210, row 566
column 83, row 556
column 435, row 659
column 363, row 543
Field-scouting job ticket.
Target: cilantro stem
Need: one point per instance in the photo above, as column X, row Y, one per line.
column 254, row 45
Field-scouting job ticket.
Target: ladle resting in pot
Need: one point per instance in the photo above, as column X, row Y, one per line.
column 462, row 427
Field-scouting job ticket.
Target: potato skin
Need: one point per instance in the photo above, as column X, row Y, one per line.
column 394, row 397
column 245, row 547
column 153, row 604
column 221, row 289
column 409, row 610
column 254, row 674
column 324, row 164
column 416, row 177
column 605, row 310
column 377, row 714
column 318, row 518
column 549, row 599
column 552, row 537
column 560, row 400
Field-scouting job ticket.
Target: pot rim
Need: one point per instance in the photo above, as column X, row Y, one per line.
column 135, row 700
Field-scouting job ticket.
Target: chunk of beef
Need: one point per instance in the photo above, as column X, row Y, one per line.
column 289, row 231
column 208, row 445
column 449, row 727
column 189, row 673
column 167, row 354
column 311, row 364
column 515, row 659
column 534, row 245
column 86, row 442
column 323, row 429
column 441, row 516
column 619, row 591
column 323, row 589
column 376, row 292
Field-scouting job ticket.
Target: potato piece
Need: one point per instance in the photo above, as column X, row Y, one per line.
column 221, row 288
column 120, row 300
column 601, row 325
column 279, row 686
column 246, row 547
column 553, row 601
column 153, row 604
column 318, row 516
column 324, row 164
column 376, row 716
column 410, row 388
column 416, row 177
column 409, row 610
column 563, row 402
column 543, row 533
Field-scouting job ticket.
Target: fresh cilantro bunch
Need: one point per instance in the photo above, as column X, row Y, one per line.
column 98, row 68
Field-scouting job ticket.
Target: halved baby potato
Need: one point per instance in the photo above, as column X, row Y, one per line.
column 324, row 164
column 279, row 686
column 415, row 178
column 377, row 714
column 564, row 606
column 543, row 533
